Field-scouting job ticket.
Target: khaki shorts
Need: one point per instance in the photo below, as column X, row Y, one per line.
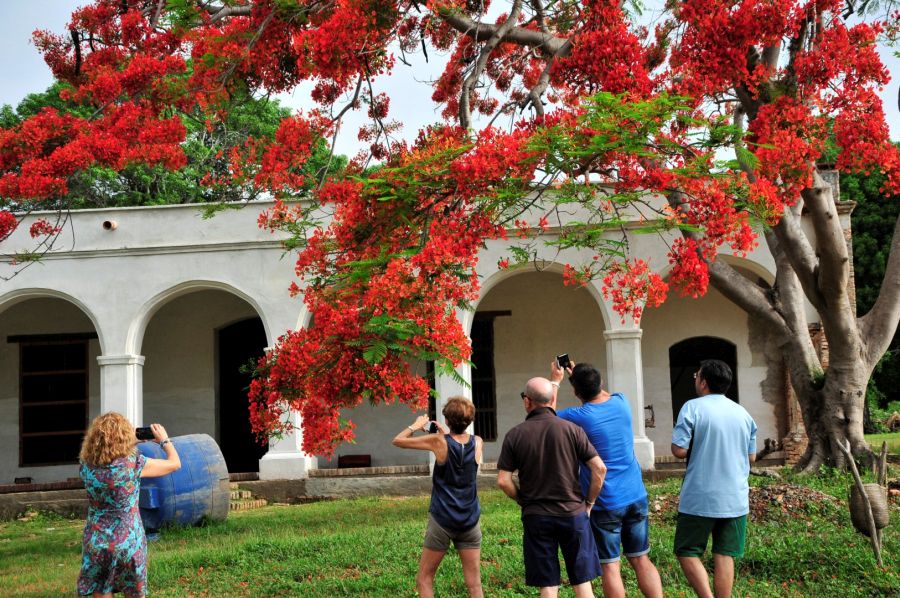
column 439, row 538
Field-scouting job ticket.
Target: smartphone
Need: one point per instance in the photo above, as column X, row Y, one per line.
column 144, row 433
column 431, row 428
column 563, row 360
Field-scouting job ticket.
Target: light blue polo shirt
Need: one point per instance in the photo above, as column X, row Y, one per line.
column 724, row 434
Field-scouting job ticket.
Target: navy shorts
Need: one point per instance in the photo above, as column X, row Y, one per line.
column 545, row 536
column 627, row 528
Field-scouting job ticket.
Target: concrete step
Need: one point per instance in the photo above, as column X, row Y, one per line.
column 243, row 476
column 387, row 470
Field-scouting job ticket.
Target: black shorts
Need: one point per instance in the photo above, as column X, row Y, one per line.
column 545, row 536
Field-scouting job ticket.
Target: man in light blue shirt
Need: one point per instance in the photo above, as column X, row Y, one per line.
column 718, row 437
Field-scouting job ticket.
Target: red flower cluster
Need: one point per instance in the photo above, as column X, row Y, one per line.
column 606, row 55
column 8, row 223
column 383, row 289
column 42, row 228
column 398, row 257
column 631, row 286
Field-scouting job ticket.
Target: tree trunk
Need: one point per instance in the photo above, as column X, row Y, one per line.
column 833, row 415
column 869, row 426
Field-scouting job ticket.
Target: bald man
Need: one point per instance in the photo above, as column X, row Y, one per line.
column 547, row 452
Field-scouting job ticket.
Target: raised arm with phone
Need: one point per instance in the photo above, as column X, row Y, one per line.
column 455, row 511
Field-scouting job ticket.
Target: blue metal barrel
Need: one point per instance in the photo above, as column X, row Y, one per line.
column 199, row 489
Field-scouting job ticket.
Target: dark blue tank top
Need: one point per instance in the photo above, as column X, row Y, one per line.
column 454, row 497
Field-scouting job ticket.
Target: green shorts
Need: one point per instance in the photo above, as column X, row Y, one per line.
column 692, row 534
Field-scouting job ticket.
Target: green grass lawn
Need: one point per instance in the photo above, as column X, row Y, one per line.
column 892, row 439
column 370, row 547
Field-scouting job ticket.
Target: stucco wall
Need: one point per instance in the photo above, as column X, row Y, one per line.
column 163, row 255
column 712, row 315
column 37, row 316
column 180, row 368
column 547, row 319
column 375, row 427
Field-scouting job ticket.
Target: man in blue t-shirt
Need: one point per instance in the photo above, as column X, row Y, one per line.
column 718, row 437
column 620, row 518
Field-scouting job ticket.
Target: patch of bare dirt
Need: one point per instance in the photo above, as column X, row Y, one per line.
column 767, row 502
column 788, row 500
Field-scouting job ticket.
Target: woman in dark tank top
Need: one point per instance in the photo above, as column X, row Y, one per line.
column 454, row 511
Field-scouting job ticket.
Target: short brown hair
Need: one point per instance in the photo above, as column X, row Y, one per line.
column 458, row 413
column 110, row 437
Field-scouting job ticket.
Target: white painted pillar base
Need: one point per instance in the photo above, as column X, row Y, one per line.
column 286, row 459
column 122, row 386
column 624, row 373
column 645, row 453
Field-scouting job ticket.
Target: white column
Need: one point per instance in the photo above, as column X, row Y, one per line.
column 286, row 459
column 449, row 386
column 624, row 373
column 122, row 386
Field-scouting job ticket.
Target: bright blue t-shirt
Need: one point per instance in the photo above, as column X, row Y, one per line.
column 724, row 434
column 608, row 426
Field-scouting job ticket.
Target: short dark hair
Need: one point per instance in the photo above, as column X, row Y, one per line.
column 586, row 381
column 458, row 413
column 717, row 374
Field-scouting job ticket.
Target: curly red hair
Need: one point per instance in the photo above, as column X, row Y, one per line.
column 110, row 437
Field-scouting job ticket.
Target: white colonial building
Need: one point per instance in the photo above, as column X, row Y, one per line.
column 151, row 311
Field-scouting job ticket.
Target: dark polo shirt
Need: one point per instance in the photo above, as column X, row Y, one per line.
column 547, row 451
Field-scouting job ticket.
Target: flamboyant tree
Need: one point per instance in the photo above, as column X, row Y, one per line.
column 604, row 114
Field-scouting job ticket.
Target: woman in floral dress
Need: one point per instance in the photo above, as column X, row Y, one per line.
column 114, row 548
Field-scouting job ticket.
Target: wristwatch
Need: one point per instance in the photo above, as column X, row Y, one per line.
column 163, row 443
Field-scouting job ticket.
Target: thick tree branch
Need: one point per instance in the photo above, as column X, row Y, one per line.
column 543, row 82
column 539, row 15
column 799, row 253
column 482, row 32
column 154, row 21
column 878, row 327
column 465, row 110
column 745, row 294
column 737, row 288
column 223, row 12
column 831, row 247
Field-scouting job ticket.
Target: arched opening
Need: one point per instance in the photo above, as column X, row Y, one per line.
column 50, row 383
column 756, row 362
column 684, row 361
column 518, row 328
column 239, row 346
column 194, row 346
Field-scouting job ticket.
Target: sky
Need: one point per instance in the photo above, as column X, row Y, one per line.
column 22, row 71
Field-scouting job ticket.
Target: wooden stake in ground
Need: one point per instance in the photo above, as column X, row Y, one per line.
column 873, row 531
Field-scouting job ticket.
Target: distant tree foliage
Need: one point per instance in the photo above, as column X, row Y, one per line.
column 208, row 147
column 873, row 223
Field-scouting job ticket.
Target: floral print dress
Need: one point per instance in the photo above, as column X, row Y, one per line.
column 114, row 548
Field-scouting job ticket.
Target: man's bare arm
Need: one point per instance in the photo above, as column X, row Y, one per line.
column 505, row 481
column 598, row 474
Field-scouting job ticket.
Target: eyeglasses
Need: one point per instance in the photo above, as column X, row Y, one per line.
column 523, row 395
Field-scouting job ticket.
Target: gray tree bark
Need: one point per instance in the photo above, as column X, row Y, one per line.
column 816, row 268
